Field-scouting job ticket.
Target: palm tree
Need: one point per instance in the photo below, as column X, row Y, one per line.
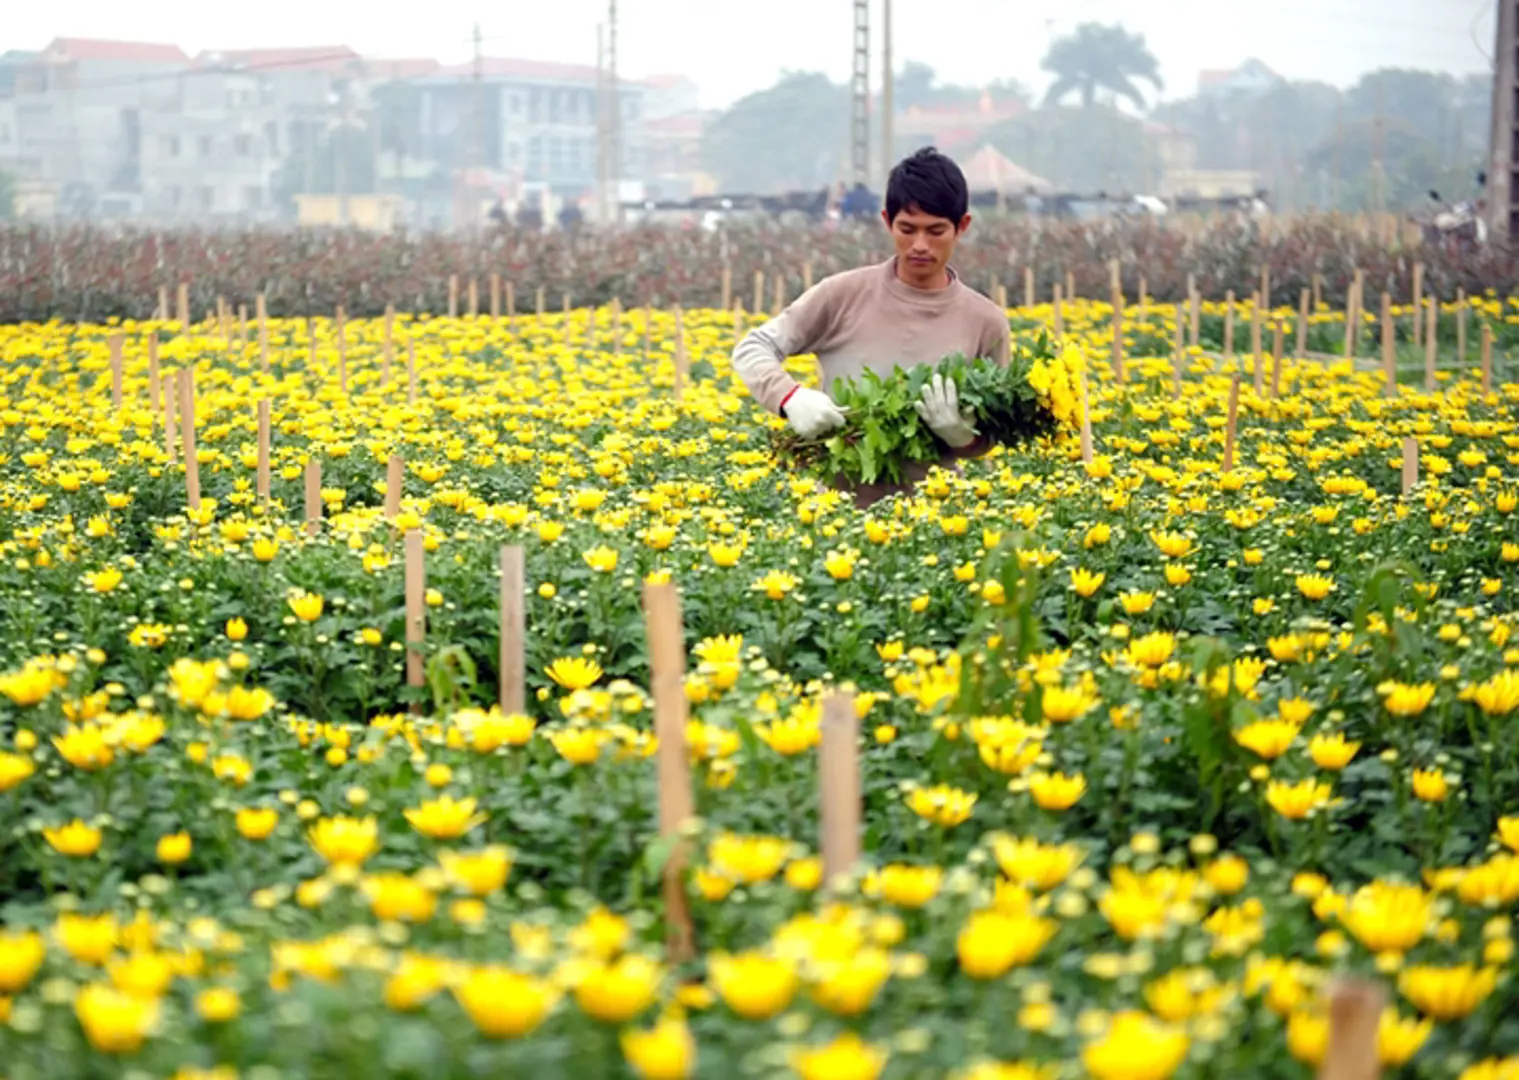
column 1098, row 57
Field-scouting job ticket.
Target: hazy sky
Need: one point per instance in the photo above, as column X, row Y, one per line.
column 730, row 48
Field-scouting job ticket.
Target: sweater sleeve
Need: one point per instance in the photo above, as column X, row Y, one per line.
column 801, row 328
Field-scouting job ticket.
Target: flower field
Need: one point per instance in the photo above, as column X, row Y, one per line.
column 1151, row 749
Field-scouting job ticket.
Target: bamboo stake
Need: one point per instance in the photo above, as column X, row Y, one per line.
column 474, row 299
column 1418, row 303
column 839, row 766
column 1353, row 304
column 169, row 387
column 1487, row 359
column 1258, row 374
column 667, row 684
column 1410, row 463
column 162, row 313
column 1229, row 325
column 116, row 342
column 511, row 306
column 182, row 307
column 1028, row 287
column 1231, row 424
column 513, row 662
column 759, row 291
column 416, row 609
column 1431, row 344
column 395, row 479
column 187, row 435
column 779, row 304
column 1462, row 310
column 153, row 376
column 1276, row 359
column 727, row 287
column 1118, row 366
column 538, row 302
column 1196, row 302
column 1070, row 284
column 453, row 296
column 264, row 432
column 313, row 497
column 1389, row 349
column 1059, row 309
column 495, row 296
column 1302, row 325
column 1355, row 1016
column 807, row 275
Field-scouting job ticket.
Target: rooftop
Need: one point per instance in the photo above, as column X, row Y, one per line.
column 131, row 52
column 306, row 58
column 498, row 67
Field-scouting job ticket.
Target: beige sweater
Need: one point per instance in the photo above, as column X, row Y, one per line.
column 870, row 319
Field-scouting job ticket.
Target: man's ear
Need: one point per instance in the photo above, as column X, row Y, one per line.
column 964, row 225
column 886, row 217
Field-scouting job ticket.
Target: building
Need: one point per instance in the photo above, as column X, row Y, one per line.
column 952, row 128
column 532, row 120
column 989, row 170
column 128, row 129
column 1251, row 77
column 77, row 110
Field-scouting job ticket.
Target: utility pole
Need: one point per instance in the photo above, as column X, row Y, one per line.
column 888, row 79
column 1503, row 214
column 603, row 210
column 1378, row 126
column 614, row 117
column 860, row 157
column 477, row 134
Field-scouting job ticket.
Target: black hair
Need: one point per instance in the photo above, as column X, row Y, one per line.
column 930, row 182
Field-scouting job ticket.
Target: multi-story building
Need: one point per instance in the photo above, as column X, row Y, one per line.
column 78, row 107
column 528, row 119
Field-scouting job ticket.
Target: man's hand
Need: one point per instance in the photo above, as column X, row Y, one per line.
column 940, row 409
column 812, row 413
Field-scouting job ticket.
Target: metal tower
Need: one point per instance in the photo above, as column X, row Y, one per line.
column 1502, row 190
column 860, row 157
column 888, row 106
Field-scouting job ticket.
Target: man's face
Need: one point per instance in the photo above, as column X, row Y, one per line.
column 924, row 244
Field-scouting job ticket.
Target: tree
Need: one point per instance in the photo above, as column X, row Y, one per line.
column 1090, row 150
column 917, row 85
column 1097, row 58
column 342, row 157
column 789, row 137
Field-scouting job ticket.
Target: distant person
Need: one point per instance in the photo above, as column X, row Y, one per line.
column 908, row 311
column 570, row 217
column 529, row 218
column 859, row 203
column 1033, row 205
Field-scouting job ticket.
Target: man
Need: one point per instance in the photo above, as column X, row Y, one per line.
column 912, row 309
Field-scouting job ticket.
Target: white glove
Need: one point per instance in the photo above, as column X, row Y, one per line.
column 940, row 410
column 812, row 413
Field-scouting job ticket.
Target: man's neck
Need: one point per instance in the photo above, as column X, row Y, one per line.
column 941, row 280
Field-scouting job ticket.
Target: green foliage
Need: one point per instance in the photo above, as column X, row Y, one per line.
column 1101, row 58
column 884, row 435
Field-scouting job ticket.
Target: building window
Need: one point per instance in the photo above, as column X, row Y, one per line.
column 535, row 106
column 205, row 146
column 242, row 145
column 272, row 137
